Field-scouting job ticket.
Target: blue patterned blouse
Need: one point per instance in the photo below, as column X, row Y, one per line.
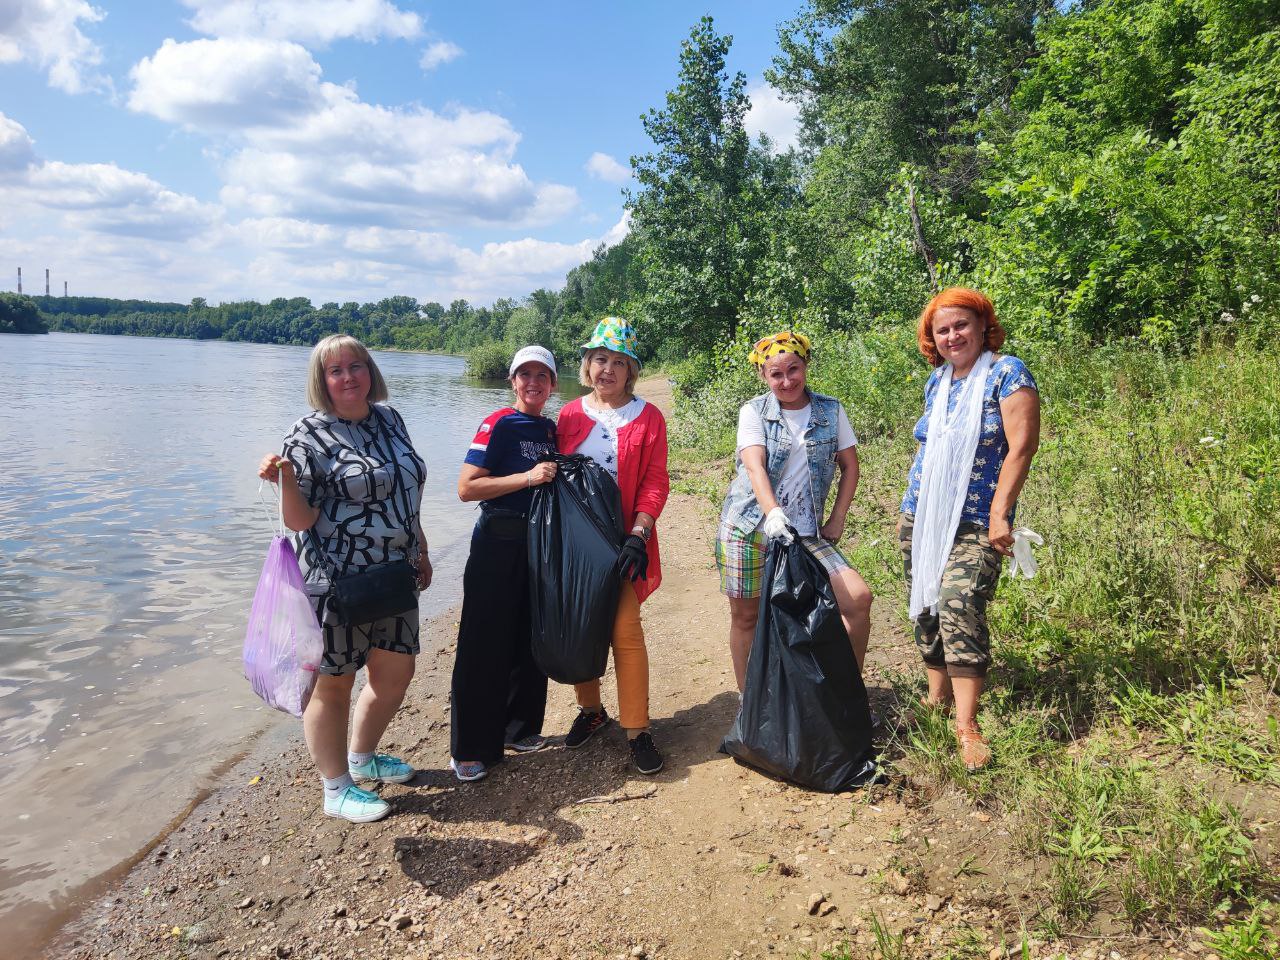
column 1006, row 376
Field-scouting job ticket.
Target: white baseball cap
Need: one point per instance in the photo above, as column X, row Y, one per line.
column 535, row 353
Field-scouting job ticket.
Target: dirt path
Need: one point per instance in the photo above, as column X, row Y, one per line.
column 707, row 859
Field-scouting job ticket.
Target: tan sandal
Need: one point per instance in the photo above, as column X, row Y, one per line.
column 974, row 749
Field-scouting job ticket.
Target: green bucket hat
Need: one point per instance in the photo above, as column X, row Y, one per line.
column 614, row 333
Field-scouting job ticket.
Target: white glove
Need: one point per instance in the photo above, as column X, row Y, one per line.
column 775, row 525
column 1024, row 561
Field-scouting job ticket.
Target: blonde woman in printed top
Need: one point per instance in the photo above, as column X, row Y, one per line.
column 350, row 477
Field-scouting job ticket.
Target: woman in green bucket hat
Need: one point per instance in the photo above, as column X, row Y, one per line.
column 628, row 438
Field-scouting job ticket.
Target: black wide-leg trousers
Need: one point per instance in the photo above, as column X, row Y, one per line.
column 499, row 694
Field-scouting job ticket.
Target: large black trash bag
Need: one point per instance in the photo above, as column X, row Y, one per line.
column 575, row 533
column 804, row 714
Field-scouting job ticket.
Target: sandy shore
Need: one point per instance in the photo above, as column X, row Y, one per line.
column 706, row 859
column 513, row 865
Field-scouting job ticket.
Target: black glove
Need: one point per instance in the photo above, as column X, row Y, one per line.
column 633, row 558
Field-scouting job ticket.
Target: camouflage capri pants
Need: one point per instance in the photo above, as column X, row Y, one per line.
column 956, row 638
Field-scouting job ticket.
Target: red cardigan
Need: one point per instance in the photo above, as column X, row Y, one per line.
column 642, row 471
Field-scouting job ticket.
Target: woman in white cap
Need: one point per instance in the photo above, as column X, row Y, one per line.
column 499, row 694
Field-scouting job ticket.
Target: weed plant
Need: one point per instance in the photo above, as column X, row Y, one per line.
column 1154, row 622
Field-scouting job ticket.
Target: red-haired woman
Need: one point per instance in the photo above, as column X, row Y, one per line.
column 975, row 451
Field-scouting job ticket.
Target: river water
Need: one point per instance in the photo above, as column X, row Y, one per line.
column 131, row 539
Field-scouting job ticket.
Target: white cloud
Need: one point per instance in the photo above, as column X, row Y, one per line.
column 328, row 263
column 98, row 197
column 771, row 115
column 227, row 84
column 440, row 52
column 117, row 232
column 604, row 167
column 306, row 21
column 619, row 231
column 17, row 150
column 301, row 147
column 47, row 34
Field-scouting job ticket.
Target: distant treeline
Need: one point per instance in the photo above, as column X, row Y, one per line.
column 18, row 314
column 558, row 319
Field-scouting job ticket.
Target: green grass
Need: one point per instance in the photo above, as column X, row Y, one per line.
column 1135, row 678
column 1207, row 723
column 888, row 945
column 1250, row 938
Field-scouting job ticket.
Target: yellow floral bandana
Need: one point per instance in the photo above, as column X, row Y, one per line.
column 786, row 342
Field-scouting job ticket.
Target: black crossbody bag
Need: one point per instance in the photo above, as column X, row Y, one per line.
column 374, row 593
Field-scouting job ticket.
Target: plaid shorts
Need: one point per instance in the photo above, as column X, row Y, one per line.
column 741, row 562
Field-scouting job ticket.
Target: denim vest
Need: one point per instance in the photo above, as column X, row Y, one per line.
column 741, row 514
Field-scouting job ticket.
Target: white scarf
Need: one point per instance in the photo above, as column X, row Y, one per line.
column 951, row 444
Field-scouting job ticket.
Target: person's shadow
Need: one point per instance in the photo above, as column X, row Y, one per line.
column 541, row 792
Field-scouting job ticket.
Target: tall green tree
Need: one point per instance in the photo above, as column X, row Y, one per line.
column 1140, row 196
column 887, row 83
column 704, row 202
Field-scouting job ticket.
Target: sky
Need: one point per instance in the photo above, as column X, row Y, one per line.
column 336, row 149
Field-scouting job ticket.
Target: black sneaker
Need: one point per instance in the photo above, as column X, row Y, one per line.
column 584, row 727
column 644, row 754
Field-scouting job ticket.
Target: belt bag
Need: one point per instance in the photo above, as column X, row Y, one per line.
column 504, row 524
column 373, row 593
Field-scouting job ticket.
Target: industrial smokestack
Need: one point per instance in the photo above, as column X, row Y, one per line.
column 64, row 288
column 46, row 281
column 19, row 279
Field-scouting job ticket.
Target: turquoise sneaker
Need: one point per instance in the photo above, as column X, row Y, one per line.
column 384, row 767
column 356, row 805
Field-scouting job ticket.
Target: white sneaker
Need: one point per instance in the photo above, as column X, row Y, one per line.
column 356, row 805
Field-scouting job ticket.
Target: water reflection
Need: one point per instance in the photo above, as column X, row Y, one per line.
column 131, row 539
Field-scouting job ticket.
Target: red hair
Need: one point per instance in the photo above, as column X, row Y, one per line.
column 976, row 302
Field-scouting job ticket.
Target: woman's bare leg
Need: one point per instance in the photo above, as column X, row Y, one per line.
column 743, row 614
column 853, row 596
column 324, row 723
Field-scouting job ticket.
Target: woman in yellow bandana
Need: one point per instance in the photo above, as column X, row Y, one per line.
column 790, row 443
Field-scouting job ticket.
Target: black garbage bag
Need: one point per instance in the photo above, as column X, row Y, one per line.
column 575, row 533
column 804, row 714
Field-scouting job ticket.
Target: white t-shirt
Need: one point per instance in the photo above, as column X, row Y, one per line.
column 601, row 444
column 793, row 490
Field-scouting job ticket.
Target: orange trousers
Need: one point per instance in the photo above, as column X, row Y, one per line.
column 630, row 665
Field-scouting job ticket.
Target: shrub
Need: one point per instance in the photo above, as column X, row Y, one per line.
column 489, row 361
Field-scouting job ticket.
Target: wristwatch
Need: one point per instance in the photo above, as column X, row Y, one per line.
column 642, row 532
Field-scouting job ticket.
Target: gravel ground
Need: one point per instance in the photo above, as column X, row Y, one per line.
column 706, row 859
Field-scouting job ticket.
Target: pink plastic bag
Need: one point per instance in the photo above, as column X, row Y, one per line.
column 284, row 644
